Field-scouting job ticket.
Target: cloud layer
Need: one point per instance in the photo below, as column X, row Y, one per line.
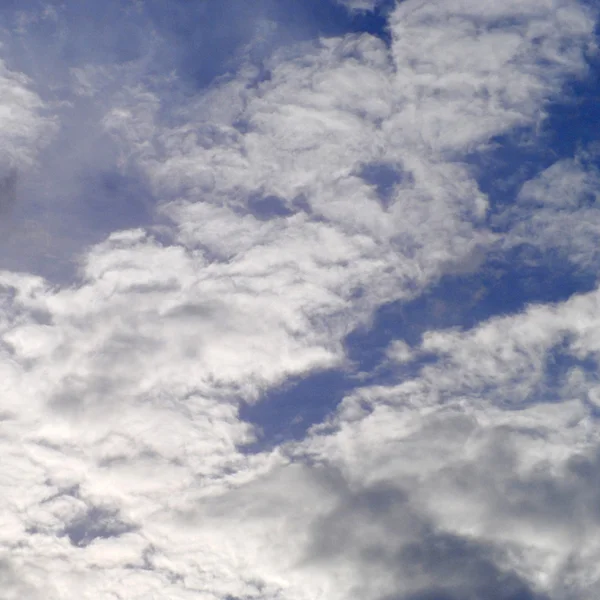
column 206, row 247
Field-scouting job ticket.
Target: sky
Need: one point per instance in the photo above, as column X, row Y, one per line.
column 299, row 300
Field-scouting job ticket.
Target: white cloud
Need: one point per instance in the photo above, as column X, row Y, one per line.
column 24, row 126
column 476, row 444
column 360, row 5
column 124, row 469
column 557, row 211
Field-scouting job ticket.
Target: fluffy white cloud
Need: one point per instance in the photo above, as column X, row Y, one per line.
column 557, row 211
column 481, row 448
column 124, row 472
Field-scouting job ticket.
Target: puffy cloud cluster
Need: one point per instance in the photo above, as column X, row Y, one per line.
column 556, row 212
column 294, row 199
column 494, row 447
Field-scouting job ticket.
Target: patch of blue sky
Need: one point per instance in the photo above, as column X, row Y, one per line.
column 572, row 126
column 287, row 413
column 384, row 177
column 211, row 38
column 506, row 282
column 204, row 39
column 75, row 197
column 503, row 285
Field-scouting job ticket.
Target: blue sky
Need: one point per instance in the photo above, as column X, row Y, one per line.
column 300, row 299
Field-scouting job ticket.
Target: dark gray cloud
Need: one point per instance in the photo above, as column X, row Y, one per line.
column 379, row 530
